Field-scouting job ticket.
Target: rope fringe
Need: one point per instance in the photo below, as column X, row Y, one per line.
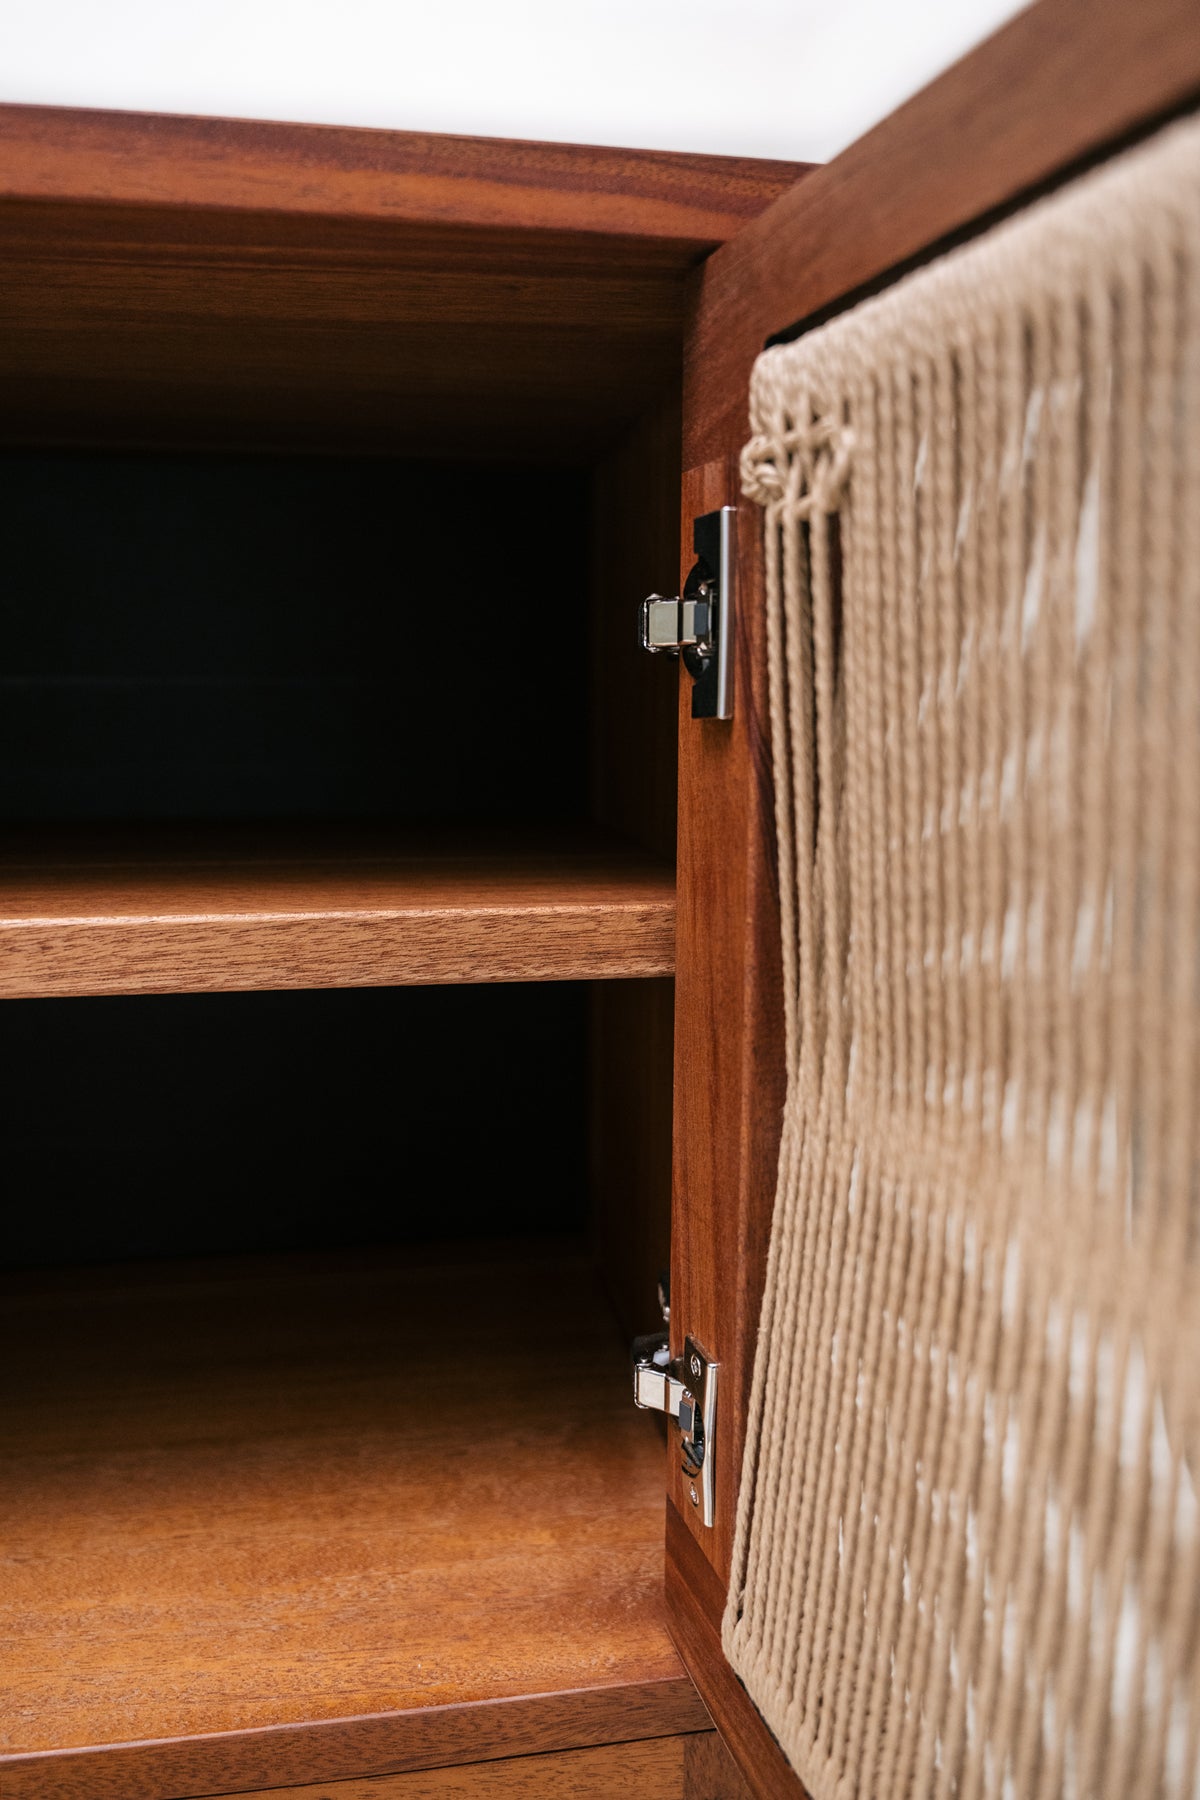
column 968, row 1544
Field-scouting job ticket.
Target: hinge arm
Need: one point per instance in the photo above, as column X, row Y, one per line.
column 657, row 1390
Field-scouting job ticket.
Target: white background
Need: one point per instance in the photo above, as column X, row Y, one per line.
column 788, row 78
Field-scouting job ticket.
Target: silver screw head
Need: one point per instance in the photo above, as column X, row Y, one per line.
column 696, row 1366
column 695, row 1498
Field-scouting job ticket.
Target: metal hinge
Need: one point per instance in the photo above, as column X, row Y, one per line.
column 685, row 1388
column 698, row 624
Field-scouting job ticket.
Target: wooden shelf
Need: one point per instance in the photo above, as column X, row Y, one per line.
column 202, row 912
column 286, row 1520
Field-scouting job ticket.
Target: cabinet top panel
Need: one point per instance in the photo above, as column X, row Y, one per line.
column 208, row 283
column 295, row 1519
column 396, row 177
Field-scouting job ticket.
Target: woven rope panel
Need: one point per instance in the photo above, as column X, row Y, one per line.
column 967, row 1557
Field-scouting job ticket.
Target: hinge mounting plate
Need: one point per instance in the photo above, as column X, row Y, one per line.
column 698, row 624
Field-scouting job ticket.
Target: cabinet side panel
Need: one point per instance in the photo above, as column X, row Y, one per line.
column 632, row 1034
column 634, row 549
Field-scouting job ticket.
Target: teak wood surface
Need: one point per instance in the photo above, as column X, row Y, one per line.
column 412, row 178
column 695, row 1601
column 417, row 1743
column 201, row 912
column 303, row 1519
column 207, row 282
column 1059, row 85
column 695, row 1766
column 653, row 1766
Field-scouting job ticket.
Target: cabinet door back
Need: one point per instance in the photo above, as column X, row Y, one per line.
column 1059, row 87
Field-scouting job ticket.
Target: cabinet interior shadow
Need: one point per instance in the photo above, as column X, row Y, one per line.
column 222, row 637
column 172, row 1125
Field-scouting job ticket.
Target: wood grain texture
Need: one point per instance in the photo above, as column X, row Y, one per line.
column 729, row 1075
column 205, row 283
column 1050, row 89
column 303, row 1519
column 709, row 1771
column 66, row 154
column 170, row 912
column 695, row 1601
column 654, row 1767
column 419, row 1740
column 692, row 1767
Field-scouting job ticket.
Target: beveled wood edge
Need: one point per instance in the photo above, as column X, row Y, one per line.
column 695, row 1603
column 1060, row 84
column 88, row 155
column 134, row 918
column 579, row 1768
column 283, row 1756
column 40, row 960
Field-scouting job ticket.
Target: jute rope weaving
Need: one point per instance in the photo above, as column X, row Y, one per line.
column 968, row 1547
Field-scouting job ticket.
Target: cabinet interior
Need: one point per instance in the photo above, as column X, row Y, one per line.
column 354, row 694
column 337, row 916
column 213, row 638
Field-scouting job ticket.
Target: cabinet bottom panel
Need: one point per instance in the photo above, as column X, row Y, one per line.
column 300, row 1519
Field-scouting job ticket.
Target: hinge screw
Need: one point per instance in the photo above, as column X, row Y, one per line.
column 696, row 1366
column 694, row 1495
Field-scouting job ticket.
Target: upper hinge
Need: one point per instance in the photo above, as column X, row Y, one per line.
column 698, row 624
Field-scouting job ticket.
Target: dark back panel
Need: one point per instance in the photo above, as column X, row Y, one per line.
column 202, row 1124
column 241, row 637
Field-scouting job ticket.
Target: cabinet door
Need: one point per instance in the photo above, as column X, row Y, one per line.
column 1059, row 86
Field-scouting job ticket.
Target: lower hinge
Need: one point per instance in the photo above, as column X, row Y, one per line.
column 685, row 1388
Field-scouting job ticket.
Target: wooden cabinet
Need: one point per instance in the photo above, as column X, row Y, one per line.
column 351, row 847
column 337, row 934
